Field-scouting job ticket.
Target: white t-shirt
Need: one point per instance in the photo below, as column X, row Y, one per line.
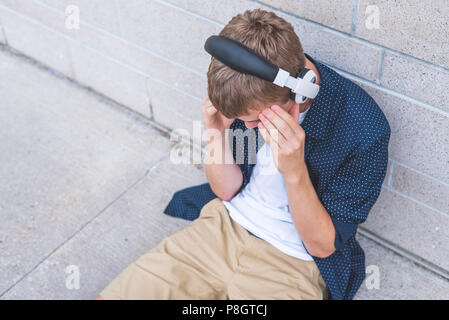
column 262, row 206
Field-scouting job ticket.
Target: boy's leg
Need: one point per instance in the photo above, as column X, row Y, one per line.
column 194, row 263
column 266, row 273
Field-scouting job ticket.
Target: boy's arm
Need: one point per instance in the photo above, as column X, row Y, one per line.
column 225, row 177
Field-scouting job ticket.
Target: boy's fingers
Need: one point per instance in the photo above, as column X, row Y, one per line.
column 281, row 125
column 295, row 112
column 288, row 117
column 274, row 145
column 274, row 132
column 263, row 132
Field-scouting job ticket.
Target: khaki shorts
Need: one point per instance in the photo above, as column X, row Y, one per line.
column 216, row 258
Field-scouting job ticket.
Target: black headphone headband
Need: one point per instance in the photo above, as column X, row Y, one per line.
column 243, row 59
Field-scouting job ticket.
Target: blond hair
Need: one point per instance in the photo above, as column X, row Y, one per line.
column 234, row 93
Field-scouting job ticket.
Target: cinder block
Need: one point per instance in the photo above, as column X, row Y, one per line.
column 222, row 11
column 52, row 18
column 417, row 134
column 111, row 78
column 418, row 28
column 36, row 41
column 167, row 31
column 334, row 14
column 413, row 227
column 174, row 109
column 101, row 13
column 399, row 278
column 420, row 187
column 167, row 71
column 66, row 156
column 336, row 50
column 8, row 3
column 417, row 80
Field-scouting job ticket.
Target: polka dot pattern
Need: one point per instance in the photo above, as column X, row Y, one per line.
column 346, row 153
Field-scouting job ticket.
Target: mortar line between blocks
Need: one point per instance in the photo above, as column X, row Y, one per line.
column 97, row 29
column 403, row 253
column 381, row 66
column 397, row 162
column 388, row 90
column 356, row 39
column 185, row 10
column 355, row 11
column 390, row 178
column 119, row 16
column 164, row 131
column 219, row 24
column 391, row 189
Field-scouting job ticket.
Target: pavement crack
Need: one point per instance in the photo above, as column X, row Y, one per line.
column 130, row 187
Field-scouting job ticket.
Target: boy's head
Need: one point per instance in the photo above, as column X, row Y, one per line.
column 236, row 94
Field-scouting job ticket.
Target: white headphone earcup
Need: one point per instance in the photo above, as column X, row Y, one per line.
column 305, row 74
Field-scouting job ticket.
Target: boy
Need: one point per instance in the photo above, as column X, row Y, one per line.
column 284, row 227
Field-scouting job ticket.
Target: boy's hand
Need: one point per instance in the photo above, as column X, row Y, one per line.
column 286, row 138
column 213, row 119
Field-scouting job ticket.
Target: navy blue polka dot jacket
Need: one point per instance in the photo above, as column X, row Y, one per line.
column 346, row 152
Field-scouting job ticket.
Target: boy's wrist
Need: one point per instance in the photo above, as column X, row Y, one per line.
column 218, row 150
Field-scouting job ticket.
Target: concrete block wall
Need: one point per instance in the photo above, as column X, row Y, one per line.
column 148, row 55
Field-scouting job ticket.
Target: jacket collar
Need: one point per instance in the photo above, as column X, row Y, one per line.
column 317, row 123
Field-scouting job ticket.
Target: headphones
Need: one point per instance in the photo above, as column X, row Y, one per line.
column 243, row 59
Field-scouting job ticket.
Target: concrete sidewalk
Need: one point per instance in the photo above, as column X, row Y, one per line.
column 84, row 182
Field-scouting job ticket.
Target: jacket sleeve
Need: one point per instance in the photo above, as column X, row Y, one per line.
column 355, row 188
